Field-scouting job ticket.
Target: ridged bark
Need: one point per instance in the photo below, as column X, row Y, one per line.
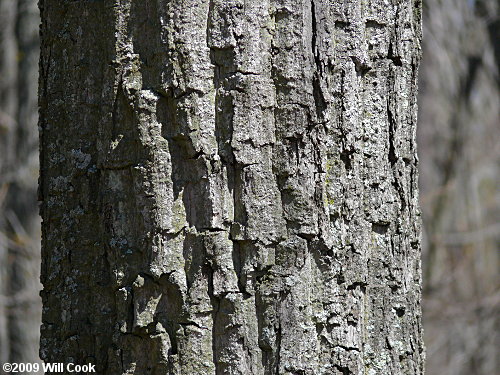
column 230, row 187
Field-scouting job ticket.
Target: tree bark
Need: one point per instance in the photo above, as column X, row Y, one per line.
column 230, row 187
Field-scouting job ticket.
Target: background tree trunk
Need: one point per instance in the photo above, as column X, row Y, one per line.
column 20, row 305
column 230, row 187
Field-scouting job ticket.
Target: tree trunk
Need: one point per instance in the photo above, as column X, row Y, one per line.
column 230, row 187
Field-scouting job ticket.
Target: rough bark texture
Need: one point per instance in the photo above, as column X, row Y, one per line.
column 20, row 304
column 230, row 187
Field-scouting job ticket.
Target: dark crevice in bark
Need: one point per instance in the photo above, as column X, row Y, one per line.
column 392, row 127
column 238, row 260
column 396, row 60
column 375, row 24
column 319, row 100
column 314, row 45
column 346, row 157
column 278, row 349
column 380, row 228
column 360, row 66
column 358, row 284
column 400, row 311
column 215, row 302
column 339, row 24
column 343, row 370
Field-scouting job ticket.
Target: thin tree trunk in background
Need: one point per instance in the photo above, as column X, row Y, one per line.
column 20, row 303
column 230, row 187
column 25, row 317
column 8, row 104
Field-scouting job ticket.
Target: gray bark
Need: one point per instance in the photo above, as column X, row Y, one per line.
column 230, row 187
column 20, row 304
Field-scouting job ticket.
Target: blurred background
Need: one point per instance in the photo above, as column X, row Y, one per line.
column 20, row 305
column 459, row 151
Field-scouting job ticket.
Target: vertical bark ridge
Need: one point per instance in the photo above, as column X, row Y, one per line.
column 241, row 184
